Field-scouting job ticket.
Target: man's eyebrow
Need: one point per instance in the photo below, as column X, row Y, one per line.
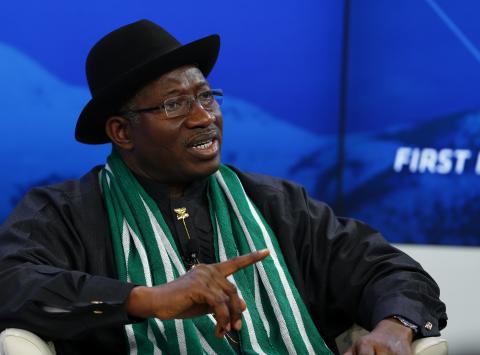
column 202, row 84
column 179, row 90
column 170, row 92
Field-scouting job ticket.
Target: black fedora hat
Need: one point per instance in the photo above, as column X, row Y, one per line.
column 128, row 58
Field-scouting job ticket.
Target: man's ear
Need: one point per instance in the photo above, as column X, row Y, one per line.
column 119, row 131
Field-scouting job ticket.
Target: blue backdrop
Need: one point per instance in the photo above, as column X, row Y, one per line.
column 413, row 119
column 403, row 109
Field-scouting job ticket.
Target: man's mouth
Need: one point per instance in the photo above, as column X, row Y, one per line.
column 205, row 147
column 207, row 144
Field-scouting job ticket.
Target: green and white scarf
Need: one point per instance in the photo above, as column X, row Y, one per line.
column 276, row 320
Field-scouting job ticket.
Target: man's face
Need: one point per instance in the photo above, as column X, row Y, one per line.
column 181, row 149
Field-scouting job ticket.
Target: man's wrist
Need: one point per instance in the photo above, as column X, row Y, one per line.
column 395, row 329
column 408, row 328
column 406, row 323
column 138, row 303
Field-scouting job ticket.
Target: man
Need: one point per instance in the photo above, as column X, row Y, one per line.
column 148, row 246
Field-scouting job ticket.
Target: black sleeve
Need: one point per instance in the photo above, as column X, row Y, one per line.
column 49, row 283
column 345, row 271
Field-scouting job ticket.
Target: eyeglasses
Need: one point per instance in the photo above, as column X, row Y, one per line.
column 177, row 106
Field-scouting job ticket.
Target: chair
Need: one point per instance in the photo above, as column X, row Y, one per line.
column 15, row 341
column 22, row 342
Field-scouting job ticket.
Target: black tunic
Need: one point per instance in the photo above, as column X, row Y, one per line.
column 58, row 275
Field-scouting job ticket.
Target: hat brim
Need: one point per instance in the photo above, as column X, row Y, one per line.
column 90, row 128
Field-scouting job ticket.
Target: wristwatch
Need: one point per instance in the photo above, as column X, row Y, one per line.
column 407, row 324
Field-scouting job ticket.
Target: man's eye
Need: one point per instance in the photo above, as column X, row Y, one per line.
column 205, row 98
column 205, row 95
column 172, row 105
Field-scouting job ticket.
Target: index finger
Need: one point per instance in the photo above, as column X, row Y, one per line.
column 228, row 267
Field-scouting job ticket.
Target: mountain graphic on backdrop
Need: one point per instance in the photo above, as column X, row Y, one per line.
column 40, row 112
column 417, row 208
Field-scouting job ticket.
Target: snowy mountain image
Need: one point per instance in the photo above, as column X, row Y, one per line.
column 408, row 207
column 39, row 113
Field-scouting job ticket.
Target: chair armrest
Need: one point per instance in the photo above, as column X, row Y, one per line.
column 15, row 341
column 423, row 346
column 430, row 346
column 22, row 342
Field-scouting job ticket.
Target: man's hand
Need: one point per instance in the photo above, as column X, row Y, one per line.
column 204, row 289
column 388, row 338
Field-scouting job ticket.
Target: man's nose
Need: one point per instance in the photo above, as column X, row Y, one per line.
column 199, row 117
